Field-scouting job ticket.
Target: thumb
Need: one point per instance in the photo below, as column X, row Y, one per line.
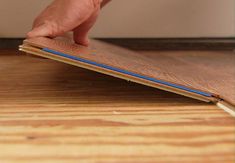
column 39, row 31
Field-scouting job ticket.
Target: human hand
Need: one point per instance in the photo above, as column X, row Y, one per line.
column 62, row 16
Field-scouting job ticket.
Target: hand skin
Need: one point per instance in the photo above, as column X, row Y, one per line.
column 62, row 16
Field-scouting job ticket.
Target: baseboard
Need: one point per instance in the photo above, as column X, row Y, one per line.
column 151, row 43
column 174, row 43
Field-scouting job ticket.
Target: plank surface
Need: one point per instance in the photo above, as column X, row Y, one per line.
column 206, row 71
column 213, row 71
column 53, row 112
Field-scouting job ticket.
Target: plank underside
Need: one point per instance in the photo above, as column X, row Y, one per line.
column 204, row 74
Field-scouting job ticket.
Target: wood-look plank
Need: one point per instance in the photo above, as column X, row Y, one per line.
column 203, row 71
column 213, row 71
column 54, row 112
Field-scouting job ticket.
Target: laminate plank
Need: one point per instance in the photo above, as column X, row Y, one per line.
column 199, row 71
column 54, row 112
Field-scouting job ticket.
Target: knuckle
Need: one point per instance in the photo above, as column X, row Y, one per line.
column 53, row 28
column 96, row 3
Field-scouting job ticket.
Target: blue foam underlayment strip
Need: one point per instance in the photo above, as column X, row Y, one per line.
column 127, row 72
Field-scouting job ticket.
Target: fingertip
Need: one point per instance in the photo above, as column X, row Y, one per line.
column 86, row 42
column 34, row 33
column 82, row 40
column 42, row 30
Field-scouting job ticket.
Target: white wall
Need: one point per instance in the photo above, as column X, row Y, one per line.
column 136, row 18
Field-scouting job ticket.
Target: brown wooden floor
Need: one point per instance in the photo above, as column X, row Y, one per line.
column 53, row 112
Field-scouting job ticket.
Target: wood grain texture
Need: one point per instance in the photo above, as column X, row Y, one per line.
column 204, row 71
column 53, row 112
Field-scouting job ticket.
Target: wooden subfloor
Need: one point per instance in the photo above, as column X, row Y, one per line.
column 53, row 112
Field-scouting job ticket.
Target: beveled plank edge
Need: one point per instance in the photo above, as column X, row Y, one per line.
column 29, row 49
